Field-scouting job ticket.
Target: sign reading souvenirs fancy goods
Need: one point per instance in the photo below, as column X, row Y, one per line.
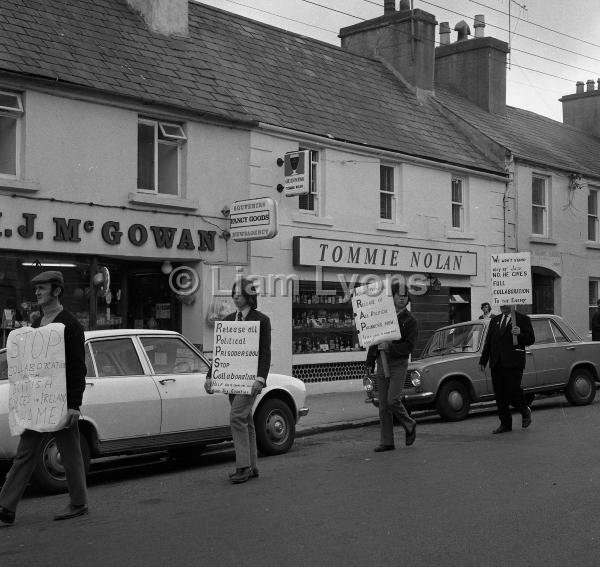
column 98, row 230
column 253, row 219
column 369, row 256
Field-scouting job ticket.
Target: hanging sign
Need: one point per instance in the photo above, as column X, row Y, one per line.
column 253, row 219
column 296, row 172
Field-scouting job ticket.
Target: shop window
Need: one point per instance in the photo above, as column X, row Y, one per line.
column 160, row 157
column 310, row 201
column 593, row 215
column 593, row 296
column 322, row 320
column 539, row 206
column 172, row 356
column 387, row 193
column 458, row 204
column 116, row 357
column 11, row 110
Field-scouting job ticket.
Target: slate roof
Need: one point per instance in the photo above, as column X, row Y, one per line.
column 231, row 67
column 530, row 136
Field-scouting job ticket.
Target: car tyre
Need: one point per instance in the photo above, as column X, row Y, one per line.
column 581, row 389
column 275, row 427
column 49, row 474
column 452, row 402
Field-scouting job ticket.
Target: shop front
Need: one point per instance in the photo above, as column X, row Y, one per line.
column 325, row 344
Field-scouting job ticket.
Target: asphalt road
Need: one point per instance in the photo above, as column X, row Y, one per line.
column 459, row 497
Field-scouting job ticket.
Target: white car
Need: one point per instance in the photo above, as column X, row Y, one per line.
column 145, row 392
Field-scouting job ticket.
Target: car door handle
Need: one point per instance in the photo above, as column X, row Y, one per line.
column 89, row 383
column 570, row 348
column 165, row 380
column 528, row 352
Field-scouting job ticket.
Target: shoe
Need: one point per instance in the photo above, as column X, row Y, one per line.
column 253, row 473
column 526, row 419
column 381, row 448
column 502, row 429
column 410, row 437
column 240, row 475
column 71, row 511
column 7, row 516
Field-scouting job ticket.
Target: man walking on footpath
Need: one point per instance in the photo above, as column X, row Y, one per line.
column 507, row 362
column 390, row 387
column 242, row 423
column 49, row 288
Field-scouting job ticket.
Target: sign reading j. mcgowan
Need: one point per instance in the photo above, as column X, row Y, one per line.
column 368, row 256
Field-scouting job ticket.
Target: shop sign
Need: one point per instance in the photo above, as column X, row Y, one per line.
column 367, row 256
column 253, row 219
column 511, row 278
column 296, row 174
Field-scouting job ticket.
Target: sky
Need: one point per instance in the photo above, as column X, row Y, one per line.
column 554, row 43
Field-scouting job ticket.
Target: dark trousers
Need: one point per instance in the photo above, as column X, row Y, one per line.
column 24, row 463
column 508, row 391
column 242, row 430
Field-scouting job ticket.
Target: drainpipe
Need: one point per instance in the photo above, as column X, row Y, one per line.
column 509, row 192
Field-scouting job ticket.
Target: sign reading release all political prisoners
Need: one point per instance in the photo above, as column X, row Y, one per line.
column 511, row 278
column 375, row 314
column 235, row 356
column 37, row 396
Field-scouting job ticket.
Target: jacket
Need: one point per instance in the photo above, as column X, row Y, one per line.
column 75, row 368
column 401, row 348
column 498, row 348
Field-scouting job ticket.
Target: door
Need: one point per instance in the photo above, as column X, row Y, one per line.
column 120, row 398
column 549, row 352
column 542, row 293
column 179, row 374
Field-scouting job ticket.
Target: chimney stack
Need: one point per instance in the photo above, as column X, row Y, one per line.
column 582, row 109
column 404, row 40
column 389, row 7
column 166, row 17
column 445, row 33
column 479, row 25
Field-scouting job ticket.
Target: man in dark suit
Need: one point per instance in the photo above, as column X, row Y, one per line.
column 48, row 290
column 507, row 362
column 242, row 423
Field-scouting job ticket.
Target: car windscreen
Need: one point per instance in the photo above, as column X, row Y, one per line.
column 460, row 338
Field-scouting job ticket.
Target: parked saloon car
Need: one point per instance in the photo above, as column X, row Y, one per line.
column 448, row 378
column 145, row 392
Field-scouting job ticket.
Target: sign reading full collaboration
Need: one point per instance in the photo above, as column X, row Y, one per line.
column 511, row 278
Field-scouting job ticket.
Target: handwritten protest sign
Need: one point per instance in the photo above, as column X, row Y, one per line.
column 375, row 314
column 511, row 278
column 37, row 396
column 235, row 356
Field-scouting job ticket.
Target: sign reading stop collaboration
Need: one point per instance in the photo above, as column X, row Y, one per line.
column 253, row 219
column 511, row 278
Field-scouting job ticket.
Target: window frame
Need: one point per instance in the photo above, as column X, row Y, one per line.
column 100, row 375
column 593, row 215
column 391, row 194
column 15, row 113
column 170, row 140
column 154, row 371
column 460, row 204
column 545, row 207
column 315, row 183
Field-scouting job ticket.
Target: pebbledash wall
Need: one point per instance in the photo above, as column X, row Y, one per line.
column 344, row 241
column 73, row 205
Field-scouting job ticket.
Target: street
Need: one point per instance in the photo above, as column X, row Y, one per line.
column 459, row 496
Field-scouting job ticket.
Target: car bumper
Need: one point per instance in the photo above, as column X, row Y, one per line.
column 421, row 398
column 302, row 412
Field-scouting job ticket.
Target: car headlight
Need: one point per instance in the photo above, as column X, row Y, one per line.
column 415, row 378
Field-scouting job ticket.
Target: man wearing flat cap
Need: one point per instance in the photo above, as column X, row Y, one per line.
column 49, row 288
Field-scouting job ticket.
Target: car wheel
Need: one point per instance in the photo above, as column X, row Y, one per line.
column 275, row 427
column 529, row 399
column 581, row 389
column 452, row 401
column 49, row 474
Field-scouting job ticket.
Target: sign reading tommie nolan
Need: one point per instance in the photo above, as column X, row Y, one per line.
column 511, row 278
column 37, row 394
column 296, row 173
column 253, row 219
column 235, row 356
column 375, row 314
column 341, row 254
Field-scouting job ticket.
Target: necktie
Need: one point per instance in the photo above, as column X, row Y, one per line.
column 504, row 322
column 240, row 317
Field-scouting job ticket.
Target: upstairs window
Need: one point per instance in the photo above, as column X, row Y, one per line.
column 387, row 194
column 593, row 215
column 159, row 157
column 11, row 110
column 458, row 204
column 539, row 206
column 310, row 202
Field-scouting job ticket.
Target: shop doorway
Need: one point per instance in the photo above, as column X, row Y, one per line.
column 152, row 304
column 542, row 291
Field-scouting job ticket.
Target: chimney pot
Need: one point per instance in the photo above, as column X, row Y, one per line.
column 389, row 7
column 479, row 25
column 579, row 87
column 590, row 85
column 463, row 29
column 167, row 17
column 404, row 5
column 445, row 33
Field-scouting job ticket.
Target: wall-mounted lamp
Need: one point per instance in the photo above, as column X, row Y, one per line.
column 225, row 211
column 434, row 283
column 166, row 267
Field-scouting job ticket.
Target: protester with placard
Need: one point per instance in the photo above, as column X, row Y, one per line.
column 390, row 377
column 507, row 361
column 244, row 296
column 49, row 288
